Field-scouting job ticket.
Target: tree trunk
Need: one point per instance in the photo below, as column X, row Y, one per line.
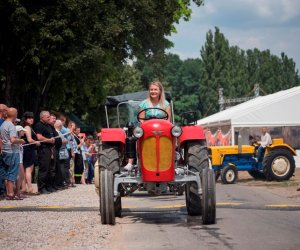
column 8, row 84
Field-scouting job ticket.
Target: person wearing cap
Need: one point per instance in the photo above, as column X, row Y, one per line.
column 10, row 152
column 29, row 152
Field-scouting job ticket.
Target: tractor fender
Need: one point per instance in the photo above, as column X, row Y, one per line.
column 113, row 135
column 283, row 146
column 231, row 164
column 190, row 133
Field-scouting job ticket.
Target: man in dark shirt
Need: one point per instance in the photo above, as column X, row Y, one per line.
column 55, row 171
column 45, row 152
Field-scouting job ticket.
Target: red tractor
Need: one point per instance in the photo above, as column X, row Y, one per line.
column 164, row 154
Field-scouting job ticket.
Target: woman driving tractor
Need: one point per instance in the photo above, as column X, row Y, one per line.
column 154, row 102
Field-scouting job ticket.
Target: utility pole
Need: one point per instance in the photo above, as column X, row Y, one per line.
column 223, row 101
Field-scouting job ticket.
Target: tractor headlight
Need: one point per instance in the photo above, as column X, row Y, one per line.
column 176, row 131
column 138, row 132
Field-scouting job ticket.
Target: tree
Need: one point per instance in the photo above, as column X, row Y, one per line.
column 237, row 71
column 215, row 55
column 65, row 53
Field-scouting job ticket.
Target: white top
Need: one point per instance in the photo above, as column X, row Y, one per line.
column 265, row 140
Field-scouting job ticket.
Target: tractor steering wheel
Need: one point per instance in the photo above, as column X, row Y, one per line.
column 165, row 117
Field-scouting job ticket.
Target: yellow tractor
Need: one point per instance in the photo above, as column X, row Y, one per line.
column 277, row 163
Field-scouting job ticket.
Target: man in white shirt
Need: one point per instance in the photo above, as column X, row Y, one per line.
column 264, row 142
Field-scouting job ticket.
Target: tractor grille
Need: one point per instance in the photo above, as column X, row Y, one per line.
column 150, row 153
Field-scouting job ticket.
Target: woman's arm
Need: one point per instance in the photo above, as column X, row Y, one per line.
column 28, row 134
column 142, row 116
column 168, row 110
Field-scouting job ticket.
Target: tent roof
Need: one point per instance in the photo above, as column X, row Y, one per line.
column 278, row 109
column 113, row 101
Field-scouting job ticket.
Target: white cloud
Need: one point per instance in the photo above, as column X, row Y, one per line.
column 264, row 24
column 291, row 9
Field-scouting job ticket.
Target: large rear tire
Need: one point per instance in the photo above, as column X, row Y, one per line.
column 118, row 206
column 208, row 197
column 110, row 206
column 217, row 175
column 279, row 165
column 256, row 174
column 197, row 160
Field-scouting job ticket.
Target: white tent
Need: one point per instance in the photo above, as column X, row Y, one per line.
column 275, row 110
column 278, row 109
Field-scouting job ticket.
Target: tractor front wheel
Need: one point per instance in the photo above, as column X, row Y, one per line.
column 208, row 197
column 107, row 206
column 229, row 174
column 109, row 164
column 197, row 160
column 279, row 165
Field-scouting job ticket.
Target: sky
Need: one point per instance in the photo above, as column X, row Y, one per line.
column 248, row 24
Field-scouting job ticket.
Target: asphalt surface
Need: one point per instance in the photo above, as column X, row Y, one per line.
column 247, row 218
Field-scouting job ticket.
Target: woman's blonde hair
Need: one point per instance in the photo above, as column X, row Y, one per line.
column 162, row 93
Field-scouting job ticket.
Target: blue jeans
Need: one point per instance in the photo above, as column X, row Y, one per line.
column 260, row 152
column 90, row 172
column 2, row 174
column 12, row 161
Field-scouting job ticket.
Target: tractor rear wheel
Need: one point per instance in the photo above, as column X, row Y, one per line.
column 279, row 165
column 229, row 174
column 197, row 160
column 217, row 174
column 110, row 206
column 118, row 206
column 256, row 174
column 208, row 197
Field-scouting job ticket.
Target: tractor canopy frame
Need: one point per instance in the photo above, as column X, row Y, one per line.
column 131, row 98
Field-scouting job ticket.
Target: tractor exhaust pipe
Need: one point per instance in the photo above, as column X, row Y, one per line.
column 239, row 144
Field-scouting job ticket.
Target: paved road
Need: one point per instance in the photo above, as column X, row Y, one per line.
column 247, row 218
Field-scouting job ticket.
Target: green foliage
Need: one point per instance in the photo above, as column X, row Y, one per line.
column 69, row 55
column 237, row 71
column 194, row 83
column 65, row 55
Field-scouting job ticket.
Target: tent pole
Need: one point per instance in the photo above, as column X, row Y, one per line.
column 232, row 135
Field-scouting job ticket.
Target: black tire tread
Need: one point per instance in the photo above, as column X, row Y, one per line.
column 224, row 171
column 256, row 174
column 109, row 164
column 107, row 210
column 209, row 197
column 267, row 169
column 197, row 159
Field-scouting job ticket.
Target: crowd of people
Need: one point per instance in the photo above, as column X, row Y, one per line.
column 62, row 155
